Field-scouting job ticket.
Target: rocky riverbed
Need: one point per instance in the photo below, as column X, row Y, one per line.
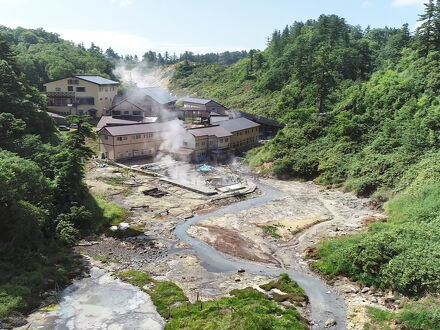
column 265, row 233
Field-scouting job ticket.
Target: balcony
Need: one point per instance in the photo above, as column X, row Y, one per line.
column 61, row 94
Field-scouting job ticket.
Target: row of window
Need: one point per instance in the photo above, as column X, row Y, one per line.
column 149, row 135
column 247, row 131
column 106, row 89
column 106, row 98
column 135, row 153
column 70, row 89
column 126, row 112
column 245, row 142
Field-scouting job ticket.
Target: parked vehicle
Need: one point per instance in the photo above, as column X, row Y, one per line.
column 73, row 125
column 63, row 128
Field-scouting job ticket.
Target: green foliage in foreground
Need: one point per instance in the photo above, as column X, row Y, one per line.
column 245, row 309
column 402, row 253
column 423, row 314
column 23, row 277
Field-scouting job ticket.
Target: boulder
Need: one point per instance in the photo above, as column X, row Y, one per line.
column 330, row 323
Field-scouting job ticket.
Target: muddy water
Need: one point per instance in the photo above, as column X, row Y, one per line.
column 100, row 302
column 324, row 303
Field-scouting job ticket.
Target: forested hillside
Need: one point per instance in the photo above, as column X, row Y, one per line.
column 44, row 204
column 362, row 111
column 43, row 56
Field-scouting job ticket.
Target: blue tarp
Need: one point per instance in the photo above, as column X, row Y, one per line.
column 152, row 167
column 205, row 168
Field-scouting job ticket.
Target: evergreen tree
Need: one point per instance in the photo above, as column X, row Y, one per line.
column 426, row 31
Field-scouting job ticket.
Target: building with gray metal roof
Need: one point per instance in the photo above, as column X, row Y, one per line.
column 95, row 79
column 238, row 124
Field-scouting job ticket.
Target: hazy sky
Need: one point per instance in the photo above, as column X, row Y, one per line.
column 134, row 26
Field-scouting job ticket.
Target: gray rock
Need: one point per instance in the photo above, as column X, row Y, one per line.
column 330, row 323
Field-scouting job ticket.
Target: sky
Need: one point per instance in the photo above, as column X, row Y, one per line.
column 136, row 26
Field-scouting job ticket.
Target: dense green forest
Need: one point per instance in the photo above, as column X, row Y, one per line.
column 43, row 56
column 151, row 59
column 44, row 204
column 362, row 111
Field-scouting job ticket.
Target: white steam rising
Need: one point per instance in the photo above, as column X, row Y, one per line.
column 175, row 134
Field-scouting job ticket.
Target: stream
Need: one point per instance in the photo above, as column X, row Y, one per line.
column 324, row 303
column 104, row 302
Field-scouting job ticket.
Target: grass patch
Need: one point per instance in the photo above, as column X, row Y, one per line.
column 401, row 254
column 423, row 314
column 271, row 230
column 112, row 213
column 163, row 294
column 113, row 180
column 293, row 292
column 245, row 309
column 102, row 258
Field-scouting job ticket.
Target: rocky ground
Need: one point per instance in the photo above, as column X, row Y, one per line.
column 157, row 251
column 277, row 233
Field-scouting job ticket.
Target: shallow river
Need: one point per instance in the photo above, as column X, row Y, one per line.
column 324, row 303
column 103, row 302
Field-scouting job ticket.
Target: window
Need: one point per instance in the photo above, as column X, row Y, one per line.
column 70, row 88
column 221, row 140
column 73, row 81
column 106, row 97
column 148, row 135
column 197, row 144
column 203, row 143
column 126, row 112
column 136, row 137
column 86, row 100
column 80, row 89
column 106, row 89
column 119, row 138
column 185, row 143
column 226, row 139
column 105, row 137
column 57, row 89
column 100, row 98
column 137, row 113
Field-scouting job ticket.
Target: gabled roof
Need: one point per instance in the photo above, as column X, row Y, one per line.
column 95, row 79
column 192, row 109
column 215, row 114
column 159, row 94
column 111, row 121
column 196, row 100
column 256, row 118
column 238, row 124
column 118, row 101
column 217, row 131
column 135, row 129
